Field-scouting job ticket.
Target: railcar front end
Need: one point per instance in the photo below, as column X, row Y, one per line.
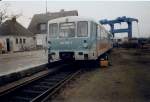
column 70, row 39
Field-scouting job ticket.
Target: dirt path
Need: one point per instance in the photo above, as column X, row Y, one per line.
column 127, row 80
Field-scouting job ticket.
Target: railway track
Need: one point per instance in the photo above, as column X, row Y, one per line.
column 41, row 89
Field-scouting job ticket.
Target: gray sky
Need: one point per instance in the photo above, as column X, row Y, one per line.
column 95, row 9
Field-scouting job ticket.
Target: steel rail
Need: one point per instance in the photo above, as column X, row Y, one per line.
column 60, row 86
column 8, row 88
column 39, row 89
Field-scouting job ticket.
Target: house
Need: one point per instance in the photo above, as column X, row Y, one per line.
column 14, row 37
column 38, row 24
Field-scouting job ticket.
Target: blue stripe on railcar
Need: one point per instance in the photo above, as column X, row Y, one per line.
column 71, row 44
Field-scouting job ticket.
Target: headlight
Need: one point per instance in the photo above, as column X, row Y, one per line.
column 85, row 44
column 49, row 43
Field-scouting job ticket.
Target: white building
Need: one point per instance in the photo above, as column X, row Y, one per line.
column 38, row 24
column 14, row 37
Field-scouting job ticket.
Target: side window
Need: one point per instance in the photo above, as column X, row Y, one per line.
column 46, row 39
column 82, row 29
column 24, row 41
column 43, row 27
column 102, row 33
column 99, row 32
column 93, row 28
column 16, row 40
column 20, row 41
column 106, row 34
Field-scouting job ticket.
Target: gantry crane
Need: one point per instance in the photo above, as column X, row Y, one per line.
column 119, row 20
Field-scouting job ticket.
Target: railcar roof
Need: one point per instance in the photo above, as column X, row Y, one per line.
column 75, row 18
column 72, row 18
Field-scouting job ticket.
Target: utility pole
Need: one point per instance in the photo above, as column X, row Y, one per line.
column 46, row 6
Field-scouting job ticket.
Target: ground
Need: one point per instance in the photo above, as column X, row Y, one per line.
column 15, row 62
column 127, row 80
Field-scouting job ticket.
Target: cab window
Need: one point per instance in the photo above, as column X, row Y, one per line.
column 53, row 30
column 67, row 30
column 82, row 30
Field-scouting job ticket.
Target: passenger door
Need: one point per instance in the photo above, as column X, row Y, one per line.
column 98, row 40
column 94, row 37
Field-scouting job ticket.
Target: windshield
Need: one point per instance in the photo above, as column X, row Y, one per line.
column 53, row 30
column 82, row 29
column 67, row 30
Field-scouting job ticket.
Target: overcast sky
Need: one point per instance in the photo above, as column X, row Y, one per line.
column 95, row 9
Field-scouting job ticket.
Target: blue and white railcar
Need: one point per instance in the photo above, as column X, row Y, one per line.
column 77, row 38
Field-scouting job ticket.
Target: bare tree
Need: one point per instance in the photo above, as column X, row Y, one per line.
column 17, row 15
column 3, row 12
